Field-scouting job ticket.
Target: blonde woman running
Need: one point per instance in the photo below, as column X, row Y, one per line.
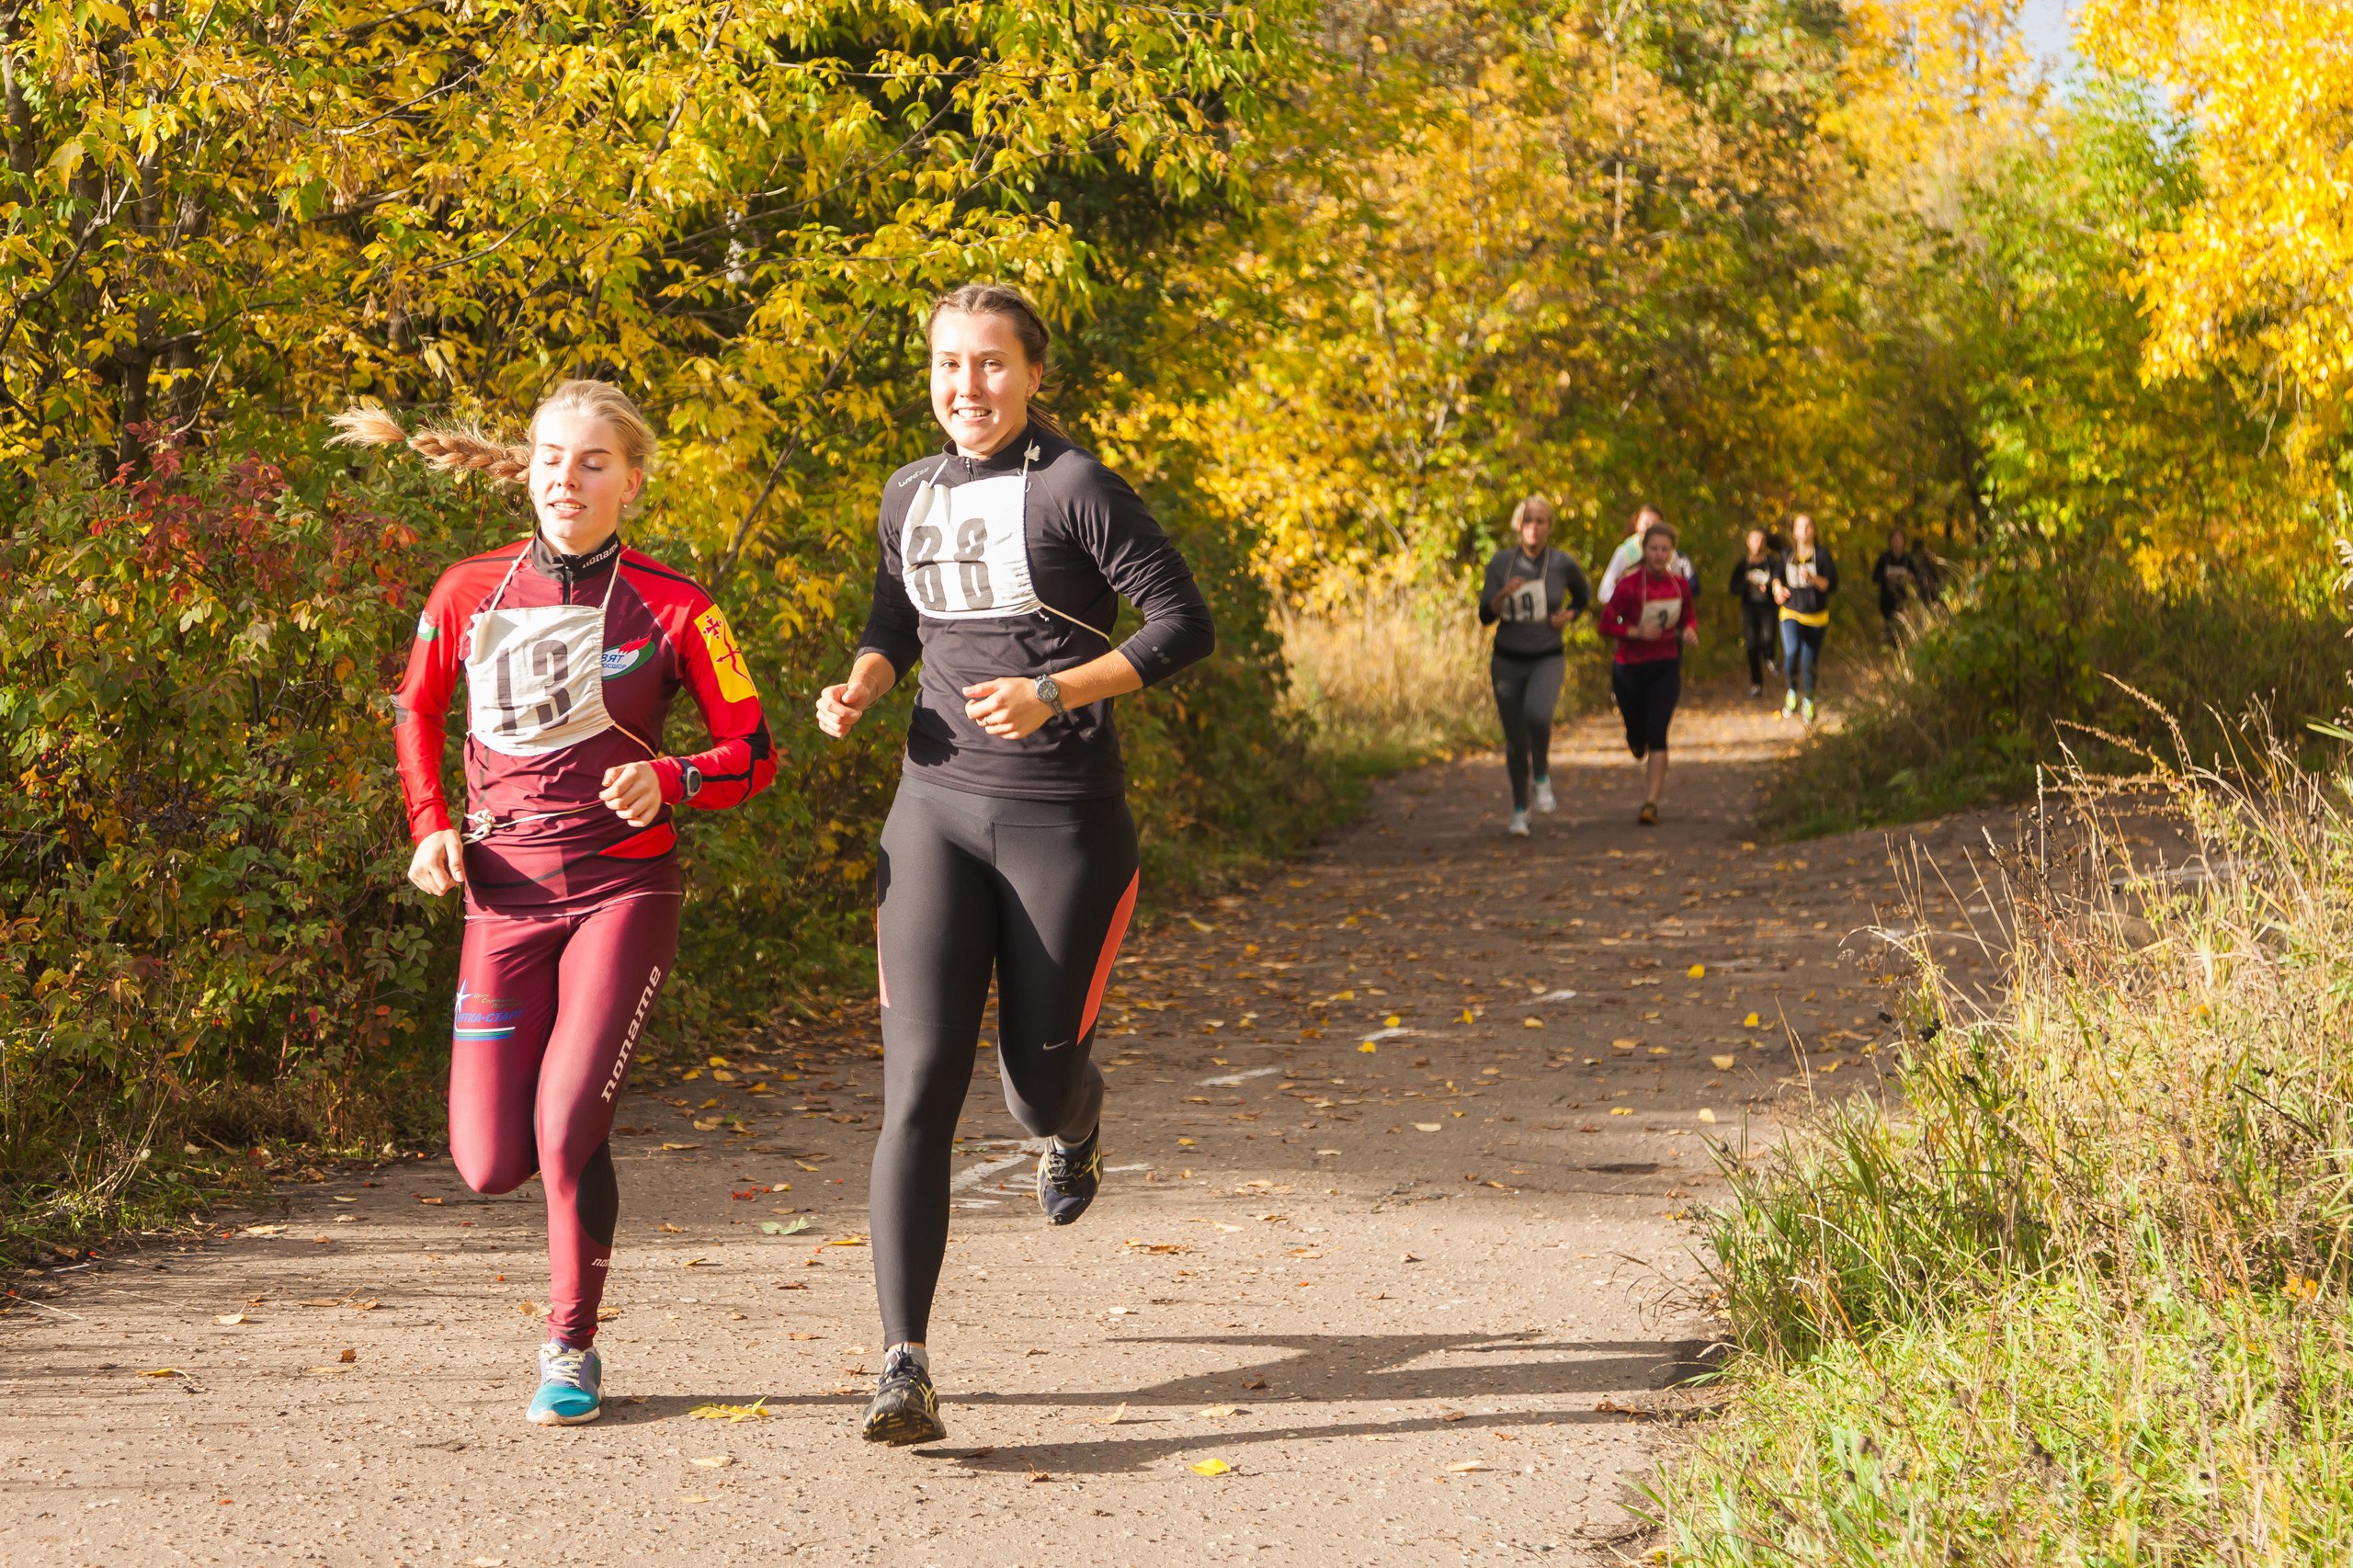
column 572, row 647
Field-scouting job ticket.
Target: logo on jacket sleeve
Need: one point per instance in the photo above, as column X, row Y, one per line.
column 628, row 656
column 727, row 661
column 425, row 631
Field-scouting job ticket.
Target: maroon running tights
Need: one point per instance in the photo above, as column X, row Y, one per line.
column 549, row 1011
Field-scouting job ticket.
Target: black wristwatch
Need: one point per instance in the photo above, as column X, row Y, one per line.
column 690, row 781
column 1050, row 694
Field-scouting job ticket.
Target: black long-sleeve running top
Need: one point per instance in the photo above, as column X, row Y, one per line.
column 1013, row 564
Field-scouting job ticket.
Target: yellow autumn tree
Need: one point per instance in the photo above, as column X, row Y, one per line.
column 2258, row 277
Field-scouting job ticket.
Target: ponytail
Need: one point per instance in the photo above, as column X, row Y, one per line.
column 451, row 448
column 461, row 448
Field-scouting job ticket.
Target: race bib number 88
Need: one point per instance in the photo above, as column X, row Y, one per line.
column 963, row 552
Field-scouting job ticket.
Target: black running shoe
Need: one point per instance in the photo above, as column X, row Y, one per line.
column 1068, row 1178
column 904, row 1409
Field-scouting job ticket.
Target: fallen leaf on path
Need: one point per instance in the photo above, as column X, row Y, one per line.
column 1114, row 1418
column 323, row 1372
column 668, row 1229
column 165, row 1372
column 1466, row 1015
column 1626, row 1044
column 230, row 1319
column 1393, row 1020
column 1219, row 1411
column 264, row 1230
column 667, row 1147
column 1038, row 1475
column 715, row 1462
column 1255, row 1384
column 1706, row 1115
column 435, row 1201
column 773, row 1228
column 1698, row 971
column 348, row 1356
column 1450, row 1415
column 735, row 1413
column 1750, row 1022
column 1619, row 1110
column 1531, row 1023
column 1426, row 1127
column 1368, row 1049
column 1463, row 1466
column 1210, row 1467
column 1723, row 1063
column 1156, row 1246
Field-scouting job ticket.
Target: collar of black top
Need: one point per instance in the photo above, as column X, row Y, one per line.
column 1006, row 459
column 571, row 568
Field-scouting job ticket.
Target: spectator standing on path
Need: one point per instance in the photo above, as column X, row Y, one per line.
column 1753, row 577
column 1531, row 593
column 1809, row 576
column 1901, row 574
column 1653, row 617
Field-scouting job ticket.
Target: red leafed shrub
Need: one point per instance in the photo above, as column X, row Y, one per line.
column 202, row 838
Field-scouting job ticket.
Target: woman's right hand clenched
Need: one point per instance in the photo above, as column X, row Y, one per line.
column 839, row 707
column 440, row 862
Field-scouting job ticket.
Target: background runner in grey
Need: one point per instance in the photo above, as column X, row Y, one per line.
column 1565, row 585
column 1529, row 662
column 1088, row 541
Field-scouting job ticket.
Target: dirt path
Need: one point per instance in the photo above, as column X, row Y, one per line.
column 1409, row 1295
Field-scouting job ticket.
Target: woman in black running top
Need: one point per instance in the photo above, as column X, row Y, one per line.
column 1008, row 850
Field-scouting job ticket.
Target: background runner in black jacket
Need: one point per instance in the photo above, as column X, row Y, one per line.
column 1009, row 850
column 1903, row 577
column 1753, row 577
column 1530, row 592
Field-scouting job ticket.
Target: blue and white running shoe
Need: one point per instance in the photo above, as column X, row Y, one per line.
column 569, row 1382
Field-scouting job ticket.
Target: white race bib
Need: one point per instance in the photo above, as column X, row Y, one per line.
column 1660, row 614
column 535, row 677
column 964, row 550
column 1529, row 601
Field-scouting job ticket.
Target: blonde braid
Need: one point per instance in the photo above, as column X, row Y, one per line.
column 450, row 448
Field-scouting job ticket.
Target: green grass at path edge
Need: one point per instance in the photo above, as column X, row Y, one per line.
column 2048, row 1423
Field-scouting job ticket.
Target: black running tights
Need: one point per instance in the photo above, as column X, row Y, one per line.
column 1036, row 893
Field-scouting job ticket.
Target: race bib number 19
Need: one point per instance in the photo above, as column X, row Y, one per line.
column 1529, row 601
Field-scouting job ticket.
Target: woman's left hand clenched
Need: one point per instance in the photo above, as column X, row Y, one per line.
column 1007, row 707
column 634, row 791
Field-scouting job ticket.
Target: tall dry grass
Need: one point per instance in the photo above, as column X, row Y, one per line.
column 1396, row 674
column 2078, row 1291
